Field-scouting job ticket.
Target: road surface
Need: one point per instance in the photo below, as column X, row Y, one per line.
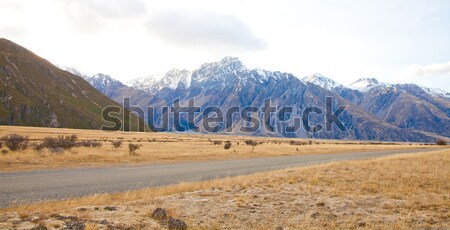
column 34, row 186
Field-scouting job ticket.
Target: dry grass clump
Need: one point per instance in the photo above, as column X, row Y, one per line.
column 117, row 143
column 132, row 148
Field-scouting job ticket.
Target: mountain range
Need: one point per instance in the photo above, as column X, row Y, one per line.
column 376, row 110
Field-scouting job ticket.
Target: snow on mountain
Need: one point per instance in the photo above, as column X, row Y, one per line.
column 229, row 68
column 104, row 79
column 230, row 71
column 173, row 79
column 105, row 84
column 73, row 71
column 320, row 80
column 142, row 83
column 365, row 84
column 436, row 92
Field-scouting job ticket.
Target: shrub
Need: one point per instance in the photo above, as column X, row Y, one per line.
column 89, row 144
column 63, row 142
column 217, row 142
column 96, row 144
column 295, row 142
column 15, row 142
column 132, row 148
column 249, row 142
column 441, row 142
column 227, row 145
column 4, row 151
column 252, row 143
column 116, row 144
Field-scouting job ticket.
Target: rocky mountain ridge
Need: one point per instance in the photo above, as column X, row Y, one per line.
column 376, row 110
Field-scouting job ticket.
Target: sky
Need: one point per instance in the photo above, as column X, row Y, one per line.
column 403, row 41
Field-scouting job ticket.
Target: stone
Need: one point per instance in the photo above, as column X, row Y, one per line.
column 361, row 224
column 176, row 224
column 110, row 208
column 75, row 226
column 159, row 214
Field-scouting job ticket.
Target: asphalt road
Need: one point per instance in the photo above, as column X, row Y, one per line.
column 26, row 187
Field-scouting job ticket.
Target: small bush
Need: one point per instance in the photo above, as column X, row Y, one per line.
column 4, row 151
column 96, row 144
column 227, row 145
column 295, row 143
column 441, row 142
column 89, row 144
column 252, row 143
column 15, row 142
column 63, row 142
column 132, row 148
column 116, row 144
column 217, row 142
column 249, row 142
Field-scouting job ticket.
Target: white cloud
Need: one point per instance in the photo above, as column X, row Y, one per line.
column 200, row 28
column 91, row 16
column 438, row 69
column 133, row 38
column 434, row 75
column 11, row 19
column 12, row 31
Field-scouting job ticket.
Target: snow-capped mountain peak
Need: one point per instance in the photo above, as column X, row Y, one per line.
column 172, row 79
column 73, row 71
column 320, row 80
column 142, row 82
column 104, row 83
column 365, row 84
column 436, row 92
column 102, row 79
column 175, row 78
column 226, row 70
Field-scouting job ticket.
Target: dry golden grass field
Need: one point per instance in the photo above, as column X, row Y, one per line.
column 165, row 147
column 409, row 191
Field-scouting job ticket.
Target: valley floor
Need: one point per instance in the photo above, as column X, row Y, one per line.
column 398, row 192
column 166, row 148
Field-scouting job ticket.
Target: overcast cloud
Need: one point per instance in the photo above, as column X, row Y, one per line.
column 393, row 41
column 198, row 28
column 92, row 15
column 437, row 69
